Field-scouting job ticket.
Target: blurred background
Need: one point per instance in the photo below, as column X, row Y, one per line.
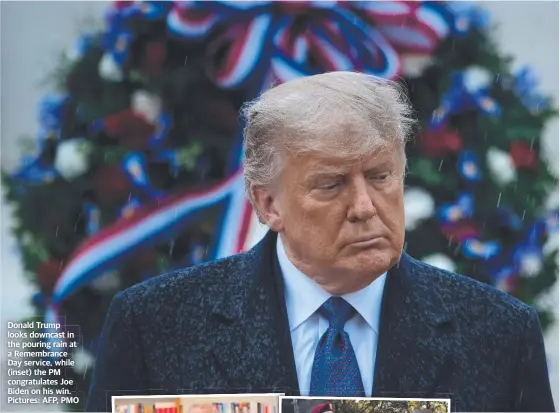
column 120, row 141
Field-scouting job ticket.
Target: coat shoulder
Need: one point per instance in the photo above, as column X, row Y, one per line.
column 192, row 287
column 469, row 297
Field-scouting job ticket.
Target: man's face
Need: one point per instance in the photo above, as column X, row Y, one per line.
column 342, row 223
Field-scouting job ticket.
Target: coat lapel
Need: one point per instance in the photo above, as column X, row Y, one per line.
column 252, row 344
column 415, row 346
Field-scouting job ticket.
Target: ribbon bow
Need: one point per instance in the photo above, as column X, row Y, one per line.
column 292, row 39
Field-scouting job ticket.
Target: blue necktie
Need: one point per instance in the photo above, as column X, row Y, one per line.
column 335, row 371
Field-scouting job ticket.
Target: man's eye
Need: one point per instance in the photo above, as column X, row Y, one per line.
column 381, row 177
column 329, row 186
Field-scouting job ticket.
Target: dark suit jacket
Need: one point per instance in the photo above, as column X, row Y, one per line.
column 221, row 327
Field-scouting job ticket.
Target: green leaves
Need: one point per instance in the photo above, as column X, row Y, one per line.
column 426, row 170
column 114, row 97
column 188, row 155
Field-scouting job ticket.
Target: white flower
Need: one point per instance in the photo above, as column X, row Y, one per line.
column 109, row 69
column 414, row 65
column 71, row 158
column 476, row 78
column 501, row 165
column 531, row 265
column 83, row 360
column 108, row 281
column 418, row 205
column 441, row 261
column 552, row 199
column 146, row 105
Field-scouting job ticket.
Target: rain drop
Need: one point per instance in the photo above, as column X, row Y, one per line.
column 499, row 199
column 440, row 165
column 56, row 233
column 456, row 250
column 171, row 247
column 523, row 216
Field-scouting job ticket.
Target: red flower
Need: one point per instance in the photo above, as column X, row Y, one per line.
column 111, row 184
column 48, row 273
column 507, row 284
column 460, row 231
column 438, row 142
column 523, row 155
column 130, row 129
column 154, row 58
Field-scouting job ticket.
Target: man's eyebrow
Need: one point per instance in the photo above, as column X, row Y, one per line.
column 378, row 167
column 334, row 173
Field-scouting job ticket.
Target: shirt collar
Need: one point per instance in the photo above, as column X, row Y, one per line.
column 304, row 296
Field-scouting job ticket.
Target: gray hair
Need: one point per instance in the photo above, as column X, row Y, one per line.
column 309, row 114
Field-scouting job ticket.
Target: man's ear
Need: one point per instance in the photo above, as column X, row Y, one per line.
column 265, row 202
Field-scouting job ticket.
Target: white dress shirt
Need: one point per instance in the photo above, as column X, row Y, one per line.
column 304, row 297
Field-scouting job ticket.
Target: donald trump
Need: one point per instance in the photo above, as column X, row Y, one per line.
column 327, row 304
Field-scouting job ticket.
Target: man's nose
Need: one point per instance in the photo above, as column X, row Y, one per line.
column 361, row 206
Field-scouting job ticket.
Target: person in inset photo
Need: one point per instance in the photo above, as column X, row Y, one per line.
column 323, row 408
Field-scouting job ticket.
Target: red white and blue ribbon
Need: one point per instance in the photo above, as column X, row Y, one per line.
column 284, row 37
column 149, row 226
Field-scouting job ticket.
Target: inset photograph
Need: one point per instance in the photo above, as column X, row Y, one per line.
column 223, row 403
column 363, row 405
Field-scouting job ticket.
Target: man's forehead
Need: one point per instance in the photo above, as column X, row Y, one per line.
column 318, row 162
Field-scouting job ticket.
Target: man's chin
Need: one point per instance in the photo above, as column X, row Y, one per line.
column 373, row 261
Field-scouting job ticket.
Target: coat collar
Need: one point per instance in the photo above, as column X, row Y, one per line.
column 252, row 338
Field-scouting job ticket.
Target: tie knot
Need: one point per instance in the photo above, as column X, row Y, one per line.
column 337, row 311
